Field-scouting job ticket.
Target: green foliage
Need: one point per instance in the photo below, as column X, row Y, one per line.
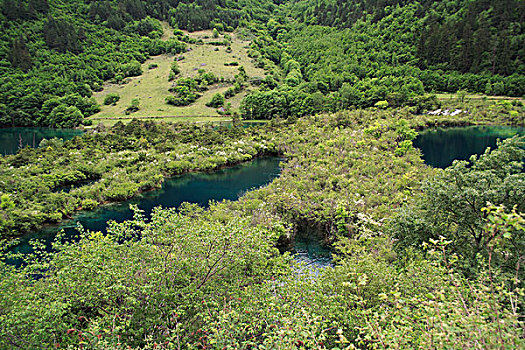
column 111, row 99
column 61, row 35
column 69, row 48
column 132, row 69
column 403, row 147
column 234, row 64
column 381, row 104
column 424, row 103
column 187, row 90
column 450, row 35
column 216, row 101
column 353, row 59
column 146, row 27
column 174, row 71
column 444, row 271
column 175, row 68
column 213, row 260
column 111, row 165
column 133, row 107
column 19, row 55
column 89, row 204
column 452, row 202
column 214, row 279
column 202, row 14
column 64, row 116
column 6, row 202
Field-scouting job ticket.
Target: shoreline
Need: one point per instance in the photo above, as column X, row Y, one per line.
column 79, row 211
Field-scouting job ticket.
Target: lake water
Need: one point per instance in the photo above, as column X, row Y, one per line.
column 12, row 138
column 200, row 188
column 440, row 146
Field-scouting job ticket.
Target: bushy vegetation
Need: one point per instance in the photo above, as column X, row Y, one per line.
column 320, row 55
column 423, row 257
column 111, row 99
column 337, row 55
column 216, row 101
column 118, row 164
column 451, row 208
column 133, row 107
column 186, row 90
column 207, row 14
column 212, row 278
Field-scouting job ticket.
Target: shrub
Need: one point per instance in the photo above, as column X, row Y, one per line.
column 64, row 116
column 133, row 107
column 132, row 69
column 216, row 101
column 381, row 104
column 111, row 99
column 175, row 67
column 89, row 204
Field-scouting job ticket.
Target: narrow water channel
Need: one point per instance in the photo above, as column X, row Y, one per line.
column 199, row 188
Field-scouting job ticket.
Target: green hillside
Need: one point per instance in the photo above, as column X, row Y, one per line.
column 317, row 55
column 56, row 54
column 151, row 87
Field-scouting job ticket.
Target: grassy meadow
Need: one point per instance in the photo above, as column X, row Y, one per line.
column 151, row 88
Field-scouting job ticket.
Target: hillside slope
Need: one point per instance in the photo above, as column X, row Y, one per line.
column 151, row 87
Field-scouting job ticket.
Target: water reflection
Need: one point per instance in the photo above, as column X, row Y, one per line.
column 440, row 146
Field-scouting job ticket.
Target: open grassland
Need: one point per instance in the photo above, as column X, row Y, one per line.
column 151, row 88
column 450, row 96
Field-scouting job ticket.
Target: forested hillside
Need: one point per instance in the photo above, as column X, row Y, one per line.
column 54, row 55
column 332, row 55
column 318, row 55
column 468, row 36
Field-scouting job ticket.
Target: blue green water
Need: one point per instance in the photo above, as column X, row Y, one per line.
column 440, row 146
column 199, row 188
column 310, row 251
column 12, row 138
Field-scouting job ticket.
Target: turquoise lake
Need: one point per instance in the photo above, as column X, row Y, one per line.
column 440, row 146
column 200, row 188
column 11, row 139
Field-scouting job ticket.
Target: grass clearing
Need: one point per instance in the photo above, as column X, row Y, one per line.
column 455, row 96
column 151, row 88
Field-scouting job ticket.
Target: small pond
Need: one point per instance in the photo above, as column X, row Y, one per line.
column 12, row 138
column 440, row 146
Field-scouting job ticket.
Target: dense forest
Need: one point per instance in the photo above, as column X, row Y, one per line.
column 333, row 55
column 422, row 257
